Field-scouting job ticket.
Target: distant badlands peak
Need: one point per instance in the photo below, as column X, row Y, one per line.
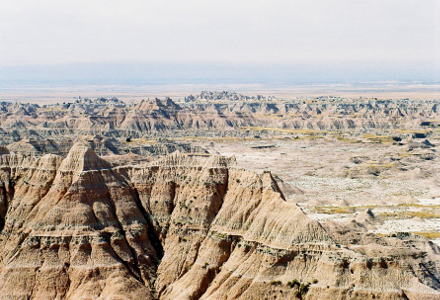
column 215, row 114
column 81, row 157
column 156, row 104
column 226, row 96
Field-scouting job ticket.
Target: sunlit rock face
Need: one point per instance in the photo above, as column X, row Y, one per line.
column 184, row 227
column 154, row 118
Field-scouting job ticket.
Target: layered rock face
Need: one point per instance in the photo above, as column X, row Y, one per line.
column 154, row 118
column 102, row 146
column 185, row 227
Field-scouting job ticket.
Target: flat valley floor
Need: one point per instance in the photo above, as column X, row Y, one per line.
column 336, row 180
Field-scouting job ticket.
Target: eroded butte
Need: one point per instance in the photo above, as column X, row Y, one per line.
column 185, row 227
column 220, row 196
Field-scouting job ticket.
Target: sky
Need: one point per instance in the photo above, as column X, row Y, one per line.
column 314, row 39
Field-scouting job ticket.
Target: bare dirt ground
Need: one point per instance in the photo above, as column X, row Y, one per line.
column 330, row 179
column 334, row 180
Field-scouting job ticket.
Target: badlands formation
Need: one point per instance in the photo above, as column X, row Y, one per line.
column 220, row 117
column 105, row 200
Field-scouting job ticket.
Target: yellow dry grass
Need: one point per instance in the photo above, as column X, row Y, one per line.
column 140, row 141
column 296, row 131
column 380, row 166
column 405, row 154
column 418, row 205
column 276, row 117
column 334, row 209
column 428, row 234
column 410, row 131
column 213, row 139
column 409, row 214
column 378, row 138
column 347, row 140
column 198, row 154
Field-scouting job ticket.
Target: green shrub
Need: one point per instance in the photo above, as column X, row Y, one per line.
column 304, row 288
column 275, row 282
column 293, row 283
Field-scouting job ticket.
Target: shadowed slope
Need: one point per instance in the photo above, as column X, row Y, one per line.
column 182, row 227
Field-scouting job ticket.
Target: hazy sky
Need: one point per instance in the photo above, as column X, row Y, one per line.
column 400, row 34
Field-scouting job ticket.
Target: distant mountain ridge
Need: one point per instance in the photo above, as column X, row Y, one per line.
column 158, row 118
column 226, row 96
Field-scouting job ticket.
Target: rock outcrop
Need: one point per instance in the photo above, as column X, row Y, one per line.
column 184, row 227
column 226, row 96
column 112, row 118
column 102, row 146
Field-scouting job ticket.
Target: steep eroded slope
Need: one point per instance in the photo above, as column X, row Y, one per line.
column 181, row 227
